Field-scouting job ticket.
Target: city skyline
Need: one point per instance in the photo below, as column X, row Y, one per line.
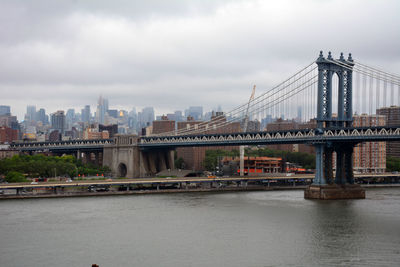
column 182, row 54
column 33, row 110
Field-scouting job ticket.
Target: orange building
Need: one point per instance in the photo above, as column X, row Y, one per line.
column 257, row 165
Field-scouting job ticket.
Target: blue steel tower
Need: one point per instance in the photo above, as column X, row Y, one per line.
column 327, row 68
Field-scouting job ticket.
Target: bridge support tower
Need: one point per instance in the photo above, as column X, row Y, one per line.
column 126, row 159
column 326, row 185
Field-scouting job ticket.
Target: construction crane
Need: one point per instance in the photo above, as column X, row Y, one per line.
column 246, row 122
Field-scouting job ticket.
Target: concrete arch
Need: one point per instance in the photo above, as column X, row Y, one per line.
column 122, row 170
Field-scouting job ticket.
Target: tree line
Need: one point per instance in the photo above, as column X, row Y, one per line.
column 35, row 166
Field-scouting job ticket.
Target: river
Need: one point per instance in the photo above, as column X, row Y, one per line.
column 269, row 228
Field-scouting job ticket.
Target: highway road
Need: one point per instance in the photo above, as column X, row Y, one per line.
column 156, row 180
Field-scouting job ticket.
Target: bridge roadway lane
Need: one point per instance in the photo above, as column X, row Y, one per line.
column 148, row 181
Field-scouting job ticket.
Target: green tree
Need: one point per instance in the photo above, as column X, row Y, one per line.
column 392, row 164
column 47, row 166
column 179, row 163
column 15, row 177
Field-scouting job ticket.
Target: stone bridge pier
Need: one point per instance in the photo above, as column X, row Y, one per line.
column 126, row 159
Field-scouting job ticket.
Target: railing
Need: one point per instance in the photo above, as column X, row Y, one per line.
column 289, row 136
column 59, row 144
column 360, row 134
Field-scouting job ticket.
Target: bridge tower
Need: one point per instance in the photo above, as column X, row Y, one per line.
column 325, row 186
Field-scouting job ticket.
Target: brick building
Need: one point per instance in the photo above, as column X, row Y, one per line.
column 111, row 129
column 392, row 115
column 163, row 126
column 92, row 134
column 194, row 156
column 8, row 135
column 369, row 157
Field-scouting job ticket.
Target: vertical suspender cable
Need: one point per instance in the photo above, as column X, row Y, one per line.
column 391, row 94
column 378, row 95
column 371, row 96
column 364, row 95
column 357, row 99
column 384, row 94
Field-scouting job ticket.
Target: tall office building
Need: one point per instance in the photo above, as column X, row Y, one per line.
column 392, row 115
column 41, row 116
column 30, row 113
column 58, row 121
column 133, row 120
column 70, row 114
column 178, row 116
column 195, row 112
column 299, row 114
column 70, row 118
column 146, row 117
column 5, row 110
column 85, row 115
column 102, row 107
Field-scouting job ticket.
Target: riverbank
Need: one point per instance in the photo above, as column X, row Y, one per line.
column 171, row 191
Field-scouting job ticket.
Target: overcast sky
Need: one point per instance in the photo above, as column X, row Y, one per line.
column 178, row 53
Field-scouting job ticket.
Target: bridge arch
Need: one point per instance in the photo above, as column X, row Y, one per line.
column 335, row 80
column 122, row 170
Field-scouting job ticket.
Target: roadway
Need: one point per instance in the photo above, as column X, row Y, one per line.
column 149, row 181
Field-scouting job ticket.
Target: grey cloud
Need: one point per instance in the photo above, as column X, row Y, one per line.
column 172, row 54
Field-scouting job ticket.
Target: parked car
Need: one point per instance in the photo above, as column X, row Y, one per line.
column 98, row 188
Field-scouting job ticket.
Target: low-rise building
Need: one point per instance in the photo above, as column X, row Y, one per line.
column 6, row 152
column 8, row 135
column 256, row 165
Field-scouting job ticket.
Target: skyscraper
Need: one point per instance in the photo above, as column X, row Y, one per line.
column 102, row 107
column 30, row 113
column 146, row 117
column 5, row 110
column 58, row 121
column 70, row 118
column 195, row 112
column 41, row 116
column 86, row 114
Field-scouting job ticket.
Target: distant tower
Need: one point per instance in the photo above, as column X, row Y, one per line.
column 5, row 110
column 85, row 114
column 299, row 113
column 58, row 121
column 30, row 113
column 41, row 116
column 102, row 106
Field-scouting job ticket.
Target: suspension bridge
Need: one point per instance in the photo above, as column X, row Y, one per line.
column 329, row 91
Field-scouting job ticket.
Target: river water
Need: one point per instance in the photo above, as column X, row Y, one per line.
column 270, row 228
